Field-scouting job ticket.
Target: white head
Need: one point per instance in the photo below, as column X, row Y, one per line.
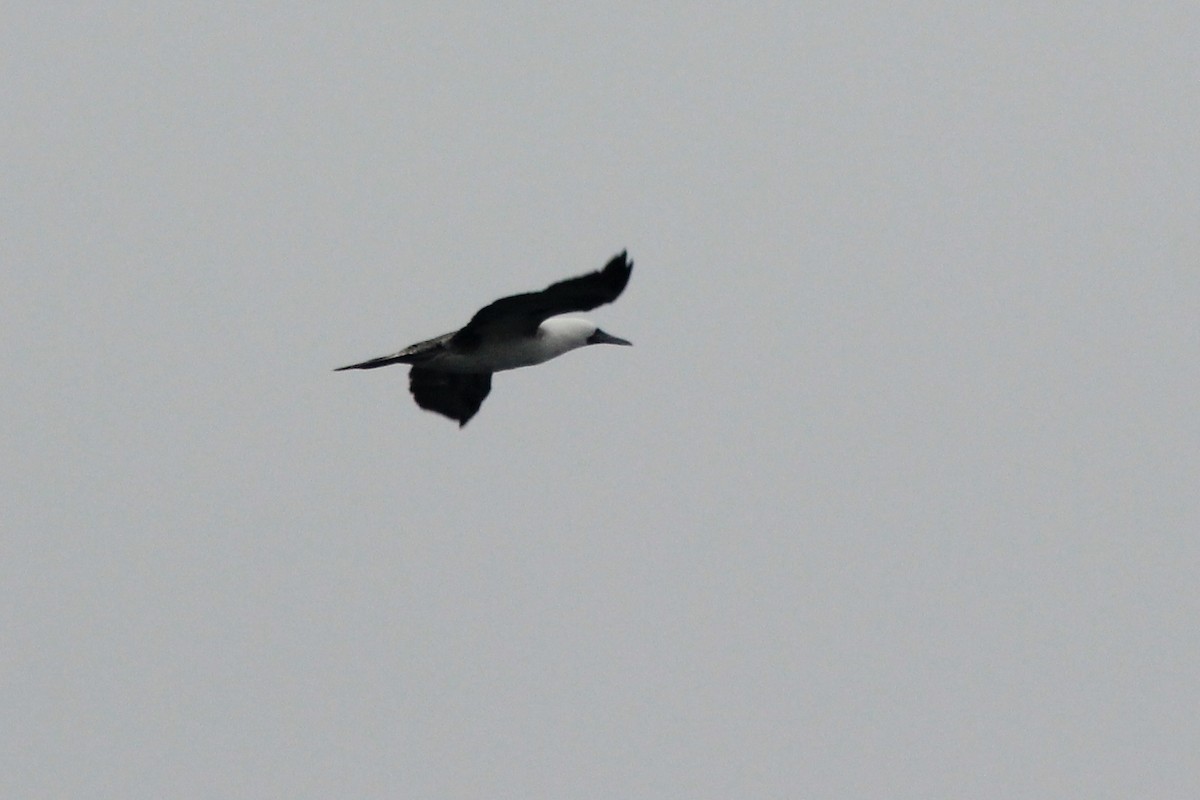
column 566, row 333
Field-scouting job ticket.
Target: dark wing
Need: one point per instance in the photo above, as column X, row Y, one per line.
column 454, row 395
column 521, row 314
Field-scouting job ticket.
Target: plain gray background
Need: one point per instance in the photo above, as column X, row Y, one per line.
column 895, row 496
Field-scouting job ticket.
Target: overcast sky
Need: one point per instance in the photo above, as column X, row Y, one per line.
column 896, row 495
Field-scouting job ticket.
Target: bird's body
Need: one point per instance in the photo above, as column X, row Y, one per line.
column 451, row 374
column 553, row 338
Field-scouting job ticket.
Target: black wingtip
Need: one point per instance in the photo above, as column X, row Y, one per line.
column 619, row 262
column 616, row 274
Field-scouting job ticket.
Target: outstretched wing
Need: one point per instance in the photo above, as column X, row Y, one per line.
column 521, row 314
column 454, row 395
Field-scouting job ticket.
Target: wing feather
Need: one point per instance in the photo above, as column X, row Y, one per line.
column 521, row 314
column 454, row 395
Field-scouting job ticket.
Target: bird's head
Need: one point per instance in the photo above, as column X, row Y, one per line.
column 579, row 332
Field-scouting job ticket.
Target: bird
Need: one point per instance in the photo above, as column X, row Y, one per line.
column 451, row 374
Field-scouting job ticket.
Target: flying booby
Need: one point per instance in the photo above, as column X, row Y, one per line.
column 452, row 374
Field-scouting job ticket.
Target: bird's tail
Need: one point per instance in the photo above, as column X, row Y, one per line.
column 382, row 361
column 413, row 354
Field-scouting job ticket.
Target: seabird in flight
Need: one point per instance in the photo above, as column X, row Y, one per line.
column 452, row 373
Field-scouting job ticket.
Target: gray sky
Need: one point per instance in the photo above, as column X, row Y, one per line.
column 895, row 496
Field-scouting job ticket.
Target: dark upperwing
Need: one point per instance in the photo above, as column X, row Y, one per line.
column 452, row 394
column 521, row 314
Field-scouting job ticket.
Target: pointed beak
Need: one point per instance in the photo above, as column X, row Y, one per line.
column 600, row 337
